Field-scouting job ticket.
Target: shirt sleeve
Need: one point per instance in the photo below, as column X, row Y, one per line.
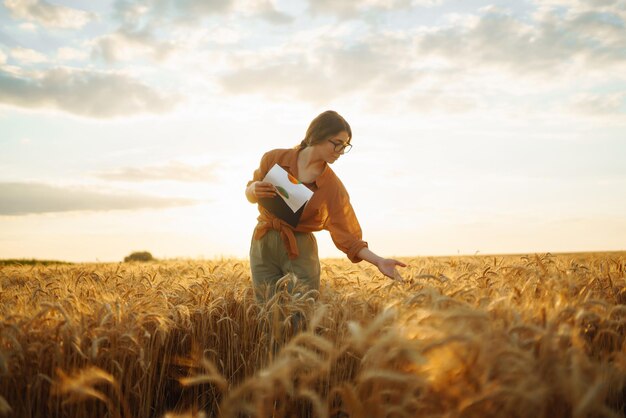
column 264, row 167
column 344, row 227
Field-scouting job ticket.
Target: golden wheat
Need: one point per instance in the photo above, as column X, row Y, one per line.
column 516, row 336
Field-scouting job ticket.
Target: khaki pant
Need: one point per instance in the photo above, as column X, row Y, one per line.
column 269, row 262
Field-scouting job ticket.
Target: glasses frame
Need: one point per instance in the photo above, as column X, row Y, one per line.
column 340, row 147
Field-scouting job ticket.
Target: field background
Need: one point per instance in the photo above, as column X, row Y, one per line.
column 535, row 335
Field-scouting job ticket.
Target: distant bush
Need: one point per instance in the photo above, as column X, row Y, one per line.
column 139, row 256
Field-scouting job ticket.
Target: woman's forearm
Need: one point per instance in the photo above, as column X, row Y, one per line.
column 387, row 266
column 369, row 256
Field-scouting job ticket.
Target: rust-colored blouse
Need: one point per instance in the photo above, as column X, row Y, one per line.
column 329, row 208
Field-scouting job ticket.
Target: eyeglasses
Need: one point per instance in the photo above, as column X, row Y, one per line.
column 340, row 147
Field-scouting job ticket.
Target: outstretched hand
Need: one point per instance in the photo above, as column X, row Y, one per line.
column 387, row 266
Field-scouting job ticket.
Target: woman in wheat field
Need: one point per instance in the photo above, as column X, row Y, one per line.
column 278, row 248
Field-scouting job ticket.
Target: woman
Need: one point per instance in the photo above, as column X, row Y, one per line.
column 277, row 248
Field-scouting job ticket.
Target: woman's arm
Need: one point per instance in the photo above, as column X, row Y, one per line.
column 387, row 266
column 256, row 187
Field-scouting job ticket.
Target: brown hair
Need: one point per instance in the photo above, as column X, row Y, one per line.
column 325, row 125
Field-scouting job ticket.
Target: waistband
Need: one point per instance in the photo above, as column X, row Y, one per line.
column 286, row 233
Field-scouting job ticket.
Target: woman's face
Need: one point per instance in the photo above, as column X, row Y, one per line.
column 328, row 148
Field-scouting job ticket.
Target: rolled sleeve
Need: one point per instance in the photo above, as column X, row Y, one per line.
column 264, row 167
column 344, row 227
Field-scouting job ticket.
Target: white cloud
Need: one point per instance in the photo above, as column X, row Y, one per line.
column 263, row 9
column 601, row 29
column 225, row 35
column 135, row 14
column 28, row 27
column 495, row 59
column 48, row 15
column 578, row 6
column 474, row 60
column 30, row 198
column 71, row 54
column 28, row 56
column 549, row 46
column 173, row 171
column 599, row 104
column 143, row 23
column 86, row 93
column 125, row 45
column 191, row 11
column 327, row 69
column 354, row 9
column 435, row 100
column 3, row 58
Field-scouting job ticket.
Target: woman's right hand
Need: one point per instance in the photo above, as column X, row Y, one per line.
column 262, row 189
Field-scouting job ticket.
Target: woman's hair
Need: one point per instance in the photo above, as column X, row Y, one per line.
column 325, row 125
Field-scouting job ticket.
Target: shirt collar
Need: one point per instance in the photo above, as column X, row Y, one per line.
column 292, row 162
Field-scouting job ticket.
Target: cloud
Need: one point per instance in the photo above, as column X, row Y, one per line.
column 71, row 54
column 184, row 12
column 190, row 9
column 140, row 21
column 84, row 93
column 551, row 45
column 326, row 70
column 48, row 15
column 28, row 56
column 126, row 44
column 174, row 171
column 34, row 198
column 134, row 14
column 434, row 100
column 599, row 105
column 354, row 9
column 578, row 6
column 28, row 27
column 265, row 10
column 489, row 59
column 143, row 23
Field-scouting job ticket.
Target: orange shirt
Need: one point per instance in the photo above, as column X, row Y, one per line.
column 329, row 208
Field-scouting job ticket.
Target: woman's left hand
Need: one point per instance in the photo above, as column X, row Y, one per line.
column 387, row 266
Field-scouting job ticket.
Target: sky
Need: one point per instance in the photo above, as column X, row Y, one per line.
column 478, row 127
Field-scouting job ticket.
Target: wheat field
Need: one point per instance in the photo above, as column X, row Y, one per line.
column 536, row 335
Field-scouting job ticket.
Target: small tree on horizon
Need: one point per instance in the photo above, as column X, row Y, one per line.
column 139, row 256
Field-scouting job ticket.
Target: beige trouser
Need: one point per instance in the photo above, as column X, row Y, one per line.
column 269, row 262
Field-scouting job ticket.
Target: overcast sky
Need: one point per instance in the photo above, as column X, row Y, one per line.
column 491, row 127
